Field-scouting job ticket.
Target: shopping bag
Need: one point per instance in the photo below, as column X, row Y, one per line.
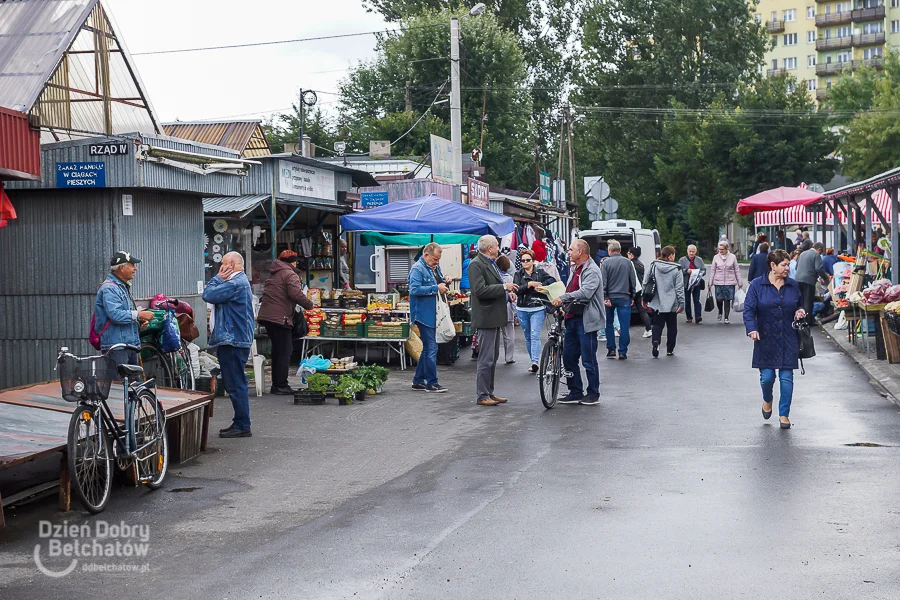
column 739, row 298
column 445, row 330
column 710, row 304
column 414, row 344
column 170, row 336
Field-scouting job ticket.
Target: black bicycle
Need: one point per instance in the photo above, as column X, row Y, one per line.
column 140, row 437
column 551, row 371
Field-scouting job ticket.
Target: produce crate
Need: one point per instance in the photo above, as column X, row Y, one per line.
column 308, row 397
column 387, row 331
column 467, row 329
column 344, row 331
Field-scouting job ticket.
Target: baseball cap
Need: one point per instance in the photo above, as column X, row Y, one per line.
column 120, row 258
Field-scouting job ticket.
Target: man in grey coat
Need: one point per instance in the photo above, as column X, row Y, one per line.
column 668, row 299
column 619, row 287
column 489, row 315
column 585, row 316
column 809, row 270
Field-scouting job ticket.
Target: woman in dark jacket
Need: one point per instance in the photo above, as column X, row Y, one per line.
column 281, row 293
column 772, row 305
column 528, row 306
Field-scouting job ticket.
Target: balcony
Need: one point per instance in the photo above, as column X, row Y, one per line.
column 875, row 63
column 820, row 94
column 866, row 39
column 832, row 68
column 774, row 26
column 833, row 19
column 836, row 43
column 868, row 14
column 775, row 72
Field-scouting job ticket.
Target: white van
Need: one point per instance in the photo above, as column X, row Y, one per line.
column 628, row 233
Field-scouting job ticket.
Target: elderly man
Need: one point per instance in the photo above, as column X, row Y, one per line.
column 232, row 335
column 619, row 287
column 345, row 268
column 489, row 315
column 116, row 318
column 425, row 283
column 584, row 318
column 810, row 269
column 694, row 271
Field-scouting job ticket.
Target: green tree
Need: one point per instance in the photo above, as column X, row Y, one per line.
column 285, row 128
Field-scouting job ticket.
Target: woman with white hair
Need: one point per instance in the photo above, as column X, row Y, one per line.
column 725, row 274
column 694, row 271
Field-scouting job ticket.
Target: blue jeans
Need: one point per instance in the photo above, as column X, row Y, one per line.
column 532, row 322
column 426, row 368
column 786, row 379
column 621, row 307
column 581, row 344
column 692, row 306
column 232, row 361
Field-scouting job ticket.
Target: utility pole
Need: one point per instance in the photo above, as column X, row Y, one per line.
column 408, row 96
column 455, row 108
column 302, row 103
column 571, row 157
column 562, row 141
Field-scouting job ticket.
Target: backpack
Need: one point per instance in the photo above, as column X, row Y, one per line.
column 94, row 337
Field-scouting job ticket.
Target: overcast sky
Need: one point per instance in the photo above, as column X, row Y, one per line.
column 241, row 82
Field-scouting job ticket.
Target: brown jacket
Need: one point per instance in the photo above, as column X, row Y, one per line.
column 281, row 292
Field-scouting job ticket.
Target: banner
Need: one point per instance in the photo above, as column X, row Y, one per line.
column 441, row 159
column 479, row 194
column 302, row 180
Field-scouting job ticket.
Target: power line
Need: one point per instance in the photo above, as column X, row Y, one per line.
column 294, row 41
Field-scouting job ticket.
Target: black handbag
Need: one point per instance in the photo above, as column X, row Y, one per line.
column 301, row 327
column 650, row 287
column 710, row 304
column 805, row 341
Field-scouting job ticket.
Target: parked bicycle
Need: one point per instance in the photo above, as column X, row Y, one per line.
column 550, row 370
column 139, row 433
column 169, row 369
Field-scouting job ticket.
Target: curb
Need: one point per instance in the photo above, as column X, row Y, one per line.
column 885, row 377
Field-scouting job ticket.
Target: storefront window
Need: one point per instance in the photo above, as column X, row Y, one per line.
column 362, row 273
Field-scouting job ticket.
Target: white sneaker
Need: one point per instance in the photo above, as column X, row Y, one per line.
column 647, row 334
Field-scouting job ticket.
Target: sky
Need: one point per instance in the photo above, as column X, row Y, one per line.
column 242, row 82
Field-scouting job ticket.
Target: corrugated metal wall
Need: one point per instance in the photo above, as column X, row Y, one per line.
column 56, row 254
column 20, row 145
column 415, row 188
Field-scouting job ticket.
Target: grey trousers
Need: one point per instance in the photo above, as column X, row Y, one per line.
column 488, row 354
column 509, row 341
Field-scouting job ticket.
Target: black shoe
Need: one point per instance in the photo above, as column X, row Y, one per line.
column 767, row 414
column 623, row 357
column 571, row 398
column 610, row 354
column 419, row 386
column 229, row 428
column 785, row 425
column 672, row 353
column 590, row 400
column 235, row 433
column 509, row 362
column 655, row 351
column 438, row 389
column 699, row 320
column 282, row 390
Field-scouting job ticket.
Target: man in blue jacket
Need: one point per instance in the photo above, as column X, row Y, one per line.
column 232, row 335
column 116, row 318
column 425, row 283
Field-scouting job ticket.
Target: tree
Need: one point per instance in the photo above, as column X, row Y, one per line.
column 285, row 128
column 413, row 65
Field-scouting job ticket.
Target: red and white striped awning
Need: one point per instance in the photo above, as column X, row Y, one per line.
column 798, row 215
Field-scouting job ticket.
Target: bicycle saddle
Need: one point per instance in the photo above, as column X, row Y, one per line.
column 130, row 370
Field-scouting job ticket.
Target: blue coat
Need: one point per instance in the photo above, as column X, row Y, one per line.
column 423, row 289
column 758, row 266
column 770, row 312
column 115, row 314
column 234, row 311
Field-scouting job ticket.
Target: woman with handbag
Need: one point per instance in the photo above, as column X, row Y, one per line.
column 529, row 308
column 773, row 303
column 664, row 294
column 725, row 274
column 281, row 293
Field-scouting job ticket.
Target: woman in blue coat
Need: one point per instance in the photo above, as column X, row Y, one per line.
column 772, row 305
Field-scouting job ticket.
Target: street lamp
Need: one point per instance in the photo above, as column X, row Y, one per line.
column 455, row 106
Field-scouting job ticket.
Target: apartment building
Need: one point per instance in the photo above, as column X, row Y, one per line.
column 815, row 40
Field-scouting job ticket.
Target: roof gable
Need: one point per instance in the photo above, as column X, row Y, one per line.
column 247, row 137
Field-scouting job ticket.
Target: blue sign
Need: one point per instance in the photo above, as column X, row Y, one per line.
column 372, row 199
column 80, row 175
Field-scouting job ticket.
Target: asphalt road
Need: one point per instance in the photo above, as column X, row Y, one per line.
column 674, row 487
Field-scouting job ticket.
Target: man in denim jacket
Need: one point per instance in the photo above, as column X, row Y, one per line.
column 116, row 318
column 425, row 283
column 232, row 335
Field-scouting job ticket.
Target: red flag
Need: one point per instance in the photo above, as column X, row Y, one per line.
column 7, row 212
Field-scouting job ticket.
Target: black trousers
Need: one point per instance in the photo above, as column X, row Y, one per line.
column 668, row 320
column 282, row 349
column 807, row 297
column 642, row 312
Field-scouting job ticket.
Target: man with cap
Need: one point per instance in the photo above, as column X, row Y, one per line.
column 116, row 317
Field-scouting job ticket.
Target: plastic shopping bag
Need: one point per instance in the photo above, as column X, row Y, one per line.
column 444, row 328
column 739, row 297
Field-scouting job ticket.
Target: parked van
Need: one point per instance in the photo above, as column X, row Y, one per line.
column 628, row 233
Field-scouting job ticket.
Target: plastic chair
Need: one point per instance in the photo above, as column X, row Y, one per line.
column 259, row 374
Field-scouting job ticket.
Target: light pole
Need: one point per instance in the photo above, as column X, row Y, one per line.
column 455, row 108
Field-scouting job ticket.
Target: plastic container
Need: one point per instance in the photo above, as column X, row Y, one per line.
column 156, row 323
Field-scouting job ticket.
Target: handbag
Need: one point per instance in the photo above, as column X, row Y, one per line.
column 650, row 288
column 710, row 304
column 301, row 327
column 805, row 341
column 187, row 327
column 445, row 330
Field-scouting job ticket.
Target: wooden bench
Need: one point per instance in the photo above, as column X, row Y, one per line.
column 34, row 422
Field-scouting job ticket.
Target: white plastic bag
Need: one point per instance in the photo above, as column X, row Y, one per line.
column 739, row 298
column 444, row 328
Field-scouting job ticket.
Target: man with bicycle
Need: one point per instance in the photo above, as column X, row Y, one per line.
column 585, row 317
column 116, row 317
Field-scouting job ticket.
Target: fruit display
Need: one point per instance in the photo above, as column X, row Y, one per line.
column 382, row 301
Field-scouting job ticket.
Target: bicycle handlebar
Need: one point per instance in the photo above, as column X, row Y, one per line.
column 122, row 347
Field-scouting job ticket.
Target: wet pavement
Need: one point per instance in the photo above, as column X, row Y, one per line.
column 674, row 487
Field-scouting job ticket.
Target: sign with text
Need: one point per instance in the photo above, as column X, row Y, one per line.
column 545, row 188
column 441, row 159
column 108, row 149
column 373, row 199
column 303, row 180
column 80, row 174
column 479, row 194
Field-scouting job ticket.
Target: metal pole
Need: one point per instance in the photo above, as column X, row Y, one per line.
column 867, row 234
column 895, row 247
column 302, row 149
column 455, row 108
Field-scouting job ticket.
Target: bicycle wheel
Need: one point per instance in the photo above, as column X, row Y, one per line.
column 90, row 458
column 548, row 373
column 150, row 428
column 156, row 365
column 184, row 371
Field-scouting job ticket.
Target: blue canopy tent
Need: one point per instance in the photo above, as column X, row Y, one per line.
column 418, row 221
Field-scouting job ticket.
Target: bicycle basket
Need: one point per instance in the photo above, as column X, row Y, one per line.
column 86, row 378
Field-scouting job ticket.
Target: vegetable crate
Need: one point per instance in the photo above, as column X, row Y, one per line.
column 387, row 331
column 344, row 331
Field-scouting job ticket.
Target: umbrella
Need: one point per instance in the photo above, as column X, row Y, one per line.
column 782, row 197
column 429, row 215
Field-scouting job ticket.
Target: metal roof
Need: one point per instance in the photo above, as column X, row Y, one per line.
column 246, row 137
column 880, row 181
column 360, row 178
column 233, row 204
